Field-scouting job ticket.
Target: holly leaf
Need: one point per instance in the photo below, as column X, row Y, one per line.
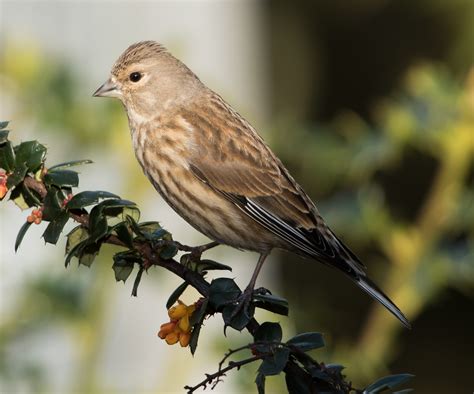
column 62, row 178
column 76, row 236
column 69, row 164
column 52, row 204
column 271, row 303
column 222, row 291
column 260, row 382
column 276, row 362
column 197, row 319
column 55, row 227
column 307, row 341
column 21, row 234
column 4, row 136
column 17, row 175
column 268, row 332
column 31, row 153
column 136, row 283
column 176, row 294
column 7, row 157
column 87, row 198
column 122, row 269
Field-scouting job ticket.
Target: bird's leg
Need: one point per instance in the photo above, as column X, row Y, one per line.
column 243, row 301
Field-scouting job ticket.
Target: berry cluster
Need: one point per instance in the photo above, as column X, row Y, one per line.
column 179, row 328
column 36, row 216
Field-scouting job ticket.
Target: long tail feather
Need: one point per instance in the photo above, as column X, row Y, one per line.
column 372, row 289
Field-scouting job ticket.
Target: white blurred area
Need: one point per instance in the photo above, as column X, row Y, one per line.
column 223, row 42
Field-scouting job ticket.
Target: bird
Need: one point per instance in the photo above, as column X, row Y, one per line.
column 213, row 168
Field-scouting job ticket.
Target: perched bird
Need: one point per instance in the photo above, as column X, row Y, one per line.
column 214, row 169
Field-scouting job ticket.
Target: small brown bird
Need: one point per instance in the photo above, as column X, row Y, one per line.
column 213, row 169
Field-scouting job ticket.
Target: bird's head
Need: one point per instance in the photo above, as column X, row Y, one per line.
column 148, row 79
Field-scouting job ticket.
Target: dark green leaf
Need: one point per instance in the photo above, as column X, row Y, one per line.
column 122, row 269
column 168, row 252
column 223, row 291
column 55, row 227
column 62, row 178
column 4, row 124
column 7, row 157
column 207, row 265
column 76, row 235
column 150, row 227
column 271, row 303
column 87, row 198
column 176, row 294
column 136, row 283
column 52, row 204
column 200, row 313
column 196, row 321
column 307, row 341
column 239, row 320
column 17, row 175
column 68, row 164
column 275, row 363
column 88, row 254
column 21, row 234
column 31, row 197
column 75, row 251
column 31, row 153
column 268, row 332
column 134, row 225
column 3, row 136
column 116, row 203
column 260, row 382
column 388, row 382
column 124, row 234
column 98, row 226
column 298, row 383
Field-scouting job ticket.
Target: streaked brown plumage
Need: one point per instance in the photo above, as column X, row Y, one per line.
column 214, row 170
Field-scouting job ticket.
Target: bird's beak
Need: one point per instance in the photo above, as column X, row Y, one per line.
column 108, row 89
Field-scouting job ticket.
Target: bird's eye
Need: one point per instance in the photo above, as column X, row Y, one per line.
column 135, row 76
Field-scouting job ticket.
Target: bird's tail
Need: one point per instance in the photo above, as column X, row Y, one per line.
column 372, row 289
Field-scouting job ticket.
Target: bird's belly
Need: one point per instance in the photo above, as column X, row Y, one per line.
column 209, row 212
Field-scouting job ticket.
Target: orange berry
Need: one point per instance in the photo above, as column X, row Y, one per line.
column 3, row 190
column 184, row 324
column 172, row 338
column 168, row 327
column 184, row 339
column 37, row 220
column 30, row 219
column 177, row 312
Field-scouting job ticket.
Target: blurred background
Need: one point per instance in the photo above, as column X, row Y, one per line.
column 370, row 104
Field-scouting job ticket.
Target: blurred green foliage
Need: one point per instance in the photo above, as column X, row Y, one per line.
column 405, row 185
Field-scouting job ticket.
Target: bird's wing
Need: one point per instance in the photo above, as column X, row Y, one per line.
column 231, row 158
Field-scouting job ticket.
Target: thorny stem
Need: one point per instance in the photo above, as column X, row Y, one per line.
column 221, row 372
column 197, row 281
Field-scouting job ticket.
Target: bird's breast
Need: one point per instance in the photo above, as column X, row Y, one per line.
column 164, row 160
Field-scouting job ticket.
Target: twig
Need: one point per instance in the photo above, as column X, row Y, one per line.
column 222, row 372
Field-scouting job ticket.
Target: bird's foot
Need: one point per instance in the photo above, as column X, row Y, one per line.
column 241, row 309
